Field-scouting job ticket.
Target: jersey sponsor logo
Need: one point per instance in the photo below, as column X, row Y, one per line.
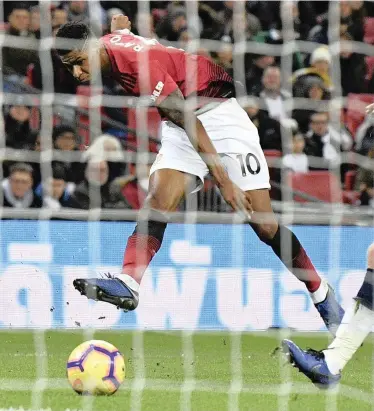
column 157, row 91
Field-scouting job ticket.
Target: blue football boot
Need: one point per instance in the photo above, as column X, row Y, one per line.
column 110, row 290
column 331, row 312
column 312, row 364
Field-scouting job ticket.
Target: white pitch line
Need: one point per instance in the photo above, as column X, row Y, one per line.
column 35, row 409
column 201, row 386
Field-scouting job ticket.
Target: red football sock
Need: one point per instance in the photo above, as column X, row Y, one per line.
column 139, row 252
column 309, row 274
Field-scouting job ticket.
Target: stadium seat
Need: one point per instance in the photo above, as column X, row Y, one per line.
column 322, row 185
column 3, row 27
column 351, row 197
column 273, row 153
column 356, row 110
column 272, row 156
column 133, row 195
column 369, row 67
column 349, row 179
column 369, row 30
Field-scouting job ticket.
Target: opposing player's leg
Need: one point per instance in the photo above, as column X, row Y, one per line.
column 288, row 248
column 324, row 368
column 166, row 190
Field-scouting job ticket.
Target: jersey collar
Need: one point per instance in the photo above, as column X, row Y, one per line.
column 123, row 31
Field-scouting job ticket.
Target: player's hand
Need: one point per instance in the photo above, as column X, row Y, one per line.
column 370, row 109
column 238, row 199
column 120, row 22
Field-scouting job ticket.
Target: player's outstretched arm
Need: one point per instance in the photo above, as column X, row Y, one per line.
column 173, row 108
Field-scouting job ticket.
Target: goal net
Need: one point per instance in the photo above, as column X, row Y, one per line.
column 215, row 302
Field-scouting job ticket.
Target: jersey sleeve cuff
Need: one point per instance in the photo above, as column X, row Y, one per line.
column 162, row 97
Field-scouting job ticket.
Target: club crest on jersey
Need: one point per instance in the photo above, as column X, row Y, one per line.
column 157, row 91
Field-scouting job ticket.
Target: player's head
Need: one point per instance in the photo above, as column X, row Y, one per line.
column 73, row 51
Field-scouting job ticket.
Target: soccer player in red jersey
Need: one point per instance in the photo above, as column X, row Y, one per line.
column 215, row 135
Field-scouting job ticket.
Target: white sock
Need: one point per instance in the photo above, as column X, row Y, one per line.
column 349, row 337
column 129, row 281
column 320, row 294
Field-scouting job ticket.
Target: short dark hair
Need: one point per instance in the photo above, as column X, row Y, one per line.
column 22, row 168
column 19, row 6
column 75, row 30
column 58, row 171
column 62, row 129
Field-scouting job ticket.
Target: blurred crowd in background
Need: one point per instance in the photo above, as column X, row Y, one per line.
column 292, row 136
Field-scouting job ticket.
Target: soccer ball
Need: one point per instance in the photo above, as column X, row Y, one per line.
column 95, row 368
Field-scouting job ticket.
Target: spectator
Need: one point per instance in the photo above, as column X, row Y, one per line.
column 325, row 142
column 213, row 25
column 318, row 34
column 272, row 94
column 55, row 192
column 303, row 13
column 365, row 182
column 238, row 22
column 352, row 68
column 352, row 19
column 107, row 148
column 96, row 190
column 170, row 26
column 268, row 128
column 266, row 11
column 320, row 66
column 65, row 139
column 17, row 126
column 365, row 136
column 94, row 15
column 59, row 17
column 312, row 89
column 297, row 161
column 256, row 64
column 17, row 188
column 320, row 63
column 16, row 60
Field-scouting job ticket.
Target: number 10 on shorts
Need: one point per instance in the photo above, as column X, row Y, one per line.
column 249, row 163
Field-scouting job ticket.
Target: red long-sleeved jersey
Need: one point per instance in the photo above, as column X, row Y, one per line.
column 144, row 67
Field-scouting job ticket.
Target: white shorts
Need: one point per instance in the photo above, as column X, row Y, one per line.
column 235, row 138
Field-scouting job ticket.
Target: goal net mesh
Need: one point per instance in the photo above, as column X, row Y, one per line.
column 215, row 301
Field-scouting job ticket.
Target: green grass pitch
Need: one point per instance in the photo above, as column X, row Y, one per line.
column 261, row 381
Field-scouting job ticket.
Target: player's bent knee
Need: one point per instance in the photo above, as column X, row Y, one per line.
column 370, row 256
column 161, row 203
column 266, row 232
